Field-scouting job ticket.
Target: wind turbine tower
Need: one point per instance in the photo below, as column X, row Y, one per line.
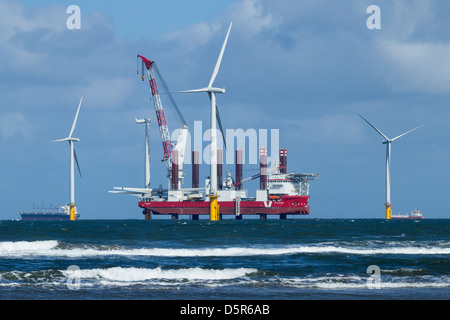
column 388, row 143
column 73, row 155
column 214, row 206
column 147, row 150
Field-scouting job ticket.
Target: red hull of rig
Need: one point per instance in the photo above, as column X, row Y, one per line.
column 294, row 205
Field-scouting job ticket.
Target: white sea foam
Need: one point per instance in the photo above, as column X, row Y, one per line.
column 173, row 277
column 356, row 282
column 124, row 276
column 20, row 248
column 142, row 274
column 50, row 248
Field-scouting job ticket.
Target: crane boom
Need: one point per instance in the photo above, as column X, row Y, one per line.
column 163, row 128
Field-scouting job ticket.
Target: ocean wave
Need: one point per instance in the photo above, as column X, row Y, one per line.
column 356, row 282
column 19, row 248
column 142, row 274
column 169, row 278
column 57, row 249
column 123, row 276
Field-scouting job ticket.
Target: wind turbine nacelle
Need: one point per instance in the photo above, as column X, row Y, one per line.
column 217, row 90
column 139, row 121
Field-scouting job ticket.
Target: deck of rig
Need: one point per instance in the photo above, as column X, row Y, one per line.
column 280, row 193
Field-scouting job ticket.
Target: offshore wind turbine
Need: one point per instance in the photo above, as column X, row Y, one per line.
column 214, row 208
column 73, row 155
column 388, row 143
column 146, row 191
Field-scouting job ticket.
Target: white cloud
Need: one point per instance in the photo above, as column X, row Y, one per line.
column 49, row 64
column 404, row 19
column 410, row 52
column 328, row 129
column 250, row 17
column 253, row 17
column 416, row 67
column 15, row 123
column 107, row 92
column 194, row 36
column 15, row 21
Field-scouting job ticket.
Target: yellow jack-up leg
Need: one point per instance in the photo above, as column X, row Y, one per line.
column 73, row 216
column 213, row 208
column 388, row 211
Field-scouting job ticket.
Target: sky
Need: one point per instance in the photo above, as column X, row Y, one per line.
column 306, row 68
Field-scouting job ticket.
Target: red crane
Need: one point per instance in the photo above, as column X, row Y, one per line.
column 163, row 128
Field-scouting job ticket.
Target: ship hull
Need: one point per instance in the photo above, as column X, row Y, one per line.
column 294, row 205
column 406, row 218
column 45, row 217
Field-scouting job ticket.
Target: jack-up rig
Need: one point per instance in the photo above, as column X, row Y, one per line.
column 280, row 193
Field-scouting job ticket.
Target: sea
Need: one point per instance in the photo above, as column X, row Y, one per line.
column 233, row 260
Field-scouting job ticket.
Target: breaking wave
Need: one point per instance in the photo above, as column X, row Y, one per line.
column 23, row 248
column 357, row 282
column 142, row 274
column 123, row 276
column 159, row 277
column 55, row 248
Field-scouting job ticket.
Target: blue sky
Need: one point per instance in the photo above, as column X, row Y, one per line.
column 307, row 68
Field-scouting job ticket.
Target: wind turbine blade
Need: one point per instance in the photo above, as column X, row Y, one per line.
column 219, row 60
column 59, row 140
column 407, row 132
column 75, row 120
column 191, row 91
column 220, row 126
column 381, row 133
column 126, row 192
column 76, row 160
column 133, row 190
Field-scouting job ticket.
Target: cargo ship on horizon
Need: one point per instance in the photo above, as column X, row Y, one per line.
column 416, row 214
column 48, row 214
